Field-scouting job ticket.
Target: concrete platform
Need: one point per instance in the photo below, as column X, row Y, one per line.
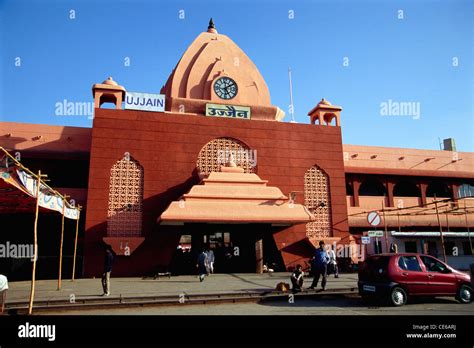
column 217, row 288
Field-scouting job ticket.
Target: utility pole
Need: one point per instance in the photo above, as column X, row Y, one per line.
column 440, row 230
column 467, row 227
column 385, row 227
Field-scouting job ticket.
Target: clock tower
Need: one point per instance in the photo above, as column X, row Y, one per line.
column 215, row 70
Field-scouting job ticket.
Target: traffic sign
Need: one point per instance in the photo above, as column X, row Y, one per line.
column 373, row 218
column 365, row 240
column 375, row 233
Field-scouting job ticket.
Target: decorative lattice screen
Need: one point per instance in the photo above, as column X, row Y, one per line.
column 216, row 153
column 124, row 217
column 316, row 191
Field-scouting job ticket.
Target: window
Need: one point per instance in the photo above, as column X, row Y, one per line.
column 410, row 247
column 185, row 239
column 433, row 265
column 432, row 249
column 124, row 216
column 409, row 263
column 217, row 152
column 466, row 190
column 406, row 188
column 378, row 246
column 317, row 199
column 449, row 247
column 349, row 189
column 372, row 187
column 438, row 189
column 467, row 248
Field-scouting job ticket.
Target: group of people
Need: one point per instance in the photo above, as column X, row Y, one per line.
column 205, row 263
column 323, row 263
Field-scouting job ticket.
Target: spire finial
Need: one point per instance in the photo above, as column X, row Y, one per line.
column 211, row 24
column 211, row 28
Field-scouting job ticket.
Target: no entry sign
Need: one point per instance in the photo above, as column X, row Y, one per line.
column 373, row 218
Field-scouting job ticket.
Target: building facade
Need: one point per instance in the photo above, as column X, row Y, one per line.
column 219, row 169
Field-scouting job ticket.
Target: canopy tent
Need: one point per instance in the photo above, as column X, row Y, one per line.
column 19, row 185
column 23, row 191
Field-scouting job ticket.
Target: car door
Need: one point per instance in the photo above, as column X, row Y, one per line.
column 441, row 280
column 411, row 274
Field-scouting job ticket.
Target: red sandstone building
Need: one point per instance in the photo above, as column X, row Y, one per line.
column 218, row 168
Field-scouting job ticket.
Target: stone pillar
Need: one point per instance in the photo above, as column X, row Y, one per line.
column 355, row 188
column 389, row 185
column 455, row 191
column 259, row 255
column 423, row 187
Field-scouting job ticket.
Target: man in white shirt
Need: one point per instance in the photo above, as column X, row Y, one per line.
column 3, row 291
column 332, row 265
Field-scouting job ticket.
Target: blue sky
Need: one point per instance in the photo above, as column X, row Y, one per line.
column 412, row 59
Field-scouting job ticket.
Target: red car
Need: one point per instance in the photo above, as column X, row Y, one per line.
column 397, row 276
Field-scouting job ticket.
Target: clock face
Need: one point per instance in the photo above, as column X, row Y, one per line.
column 225, row 88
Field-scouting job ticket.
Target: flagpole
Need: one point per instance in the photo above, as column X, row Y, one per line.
column 292, row 107
column 75, row 243
column 35, row 241
column 61, row 245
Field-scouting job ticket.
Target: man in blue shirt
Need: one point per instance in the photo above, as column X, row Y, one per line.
column 320, row 265
column 108, row 262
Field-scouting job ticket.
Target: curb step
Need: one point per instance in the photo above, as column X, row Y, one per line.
column 19, row 308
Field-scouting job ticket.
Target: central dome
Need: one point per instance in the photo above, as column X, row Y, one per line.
column 209, row 57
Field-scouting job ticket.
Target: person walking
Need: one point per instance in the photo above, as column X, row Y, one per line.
column 297, row 279
column 202, row 265
column 210, row 260
column 321, row 260
column 332, row 265
column 108, row 262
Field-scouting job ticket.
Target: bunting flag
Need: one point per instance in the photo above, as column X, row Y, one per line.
column 15, row 175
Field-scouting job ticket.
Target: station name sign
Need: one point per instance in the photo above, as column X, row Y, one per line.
column 144, row 101
column 228, row 111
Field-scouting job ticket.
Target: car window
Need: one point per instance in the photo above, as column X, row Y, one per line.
column 409, row 263
column 433, row 265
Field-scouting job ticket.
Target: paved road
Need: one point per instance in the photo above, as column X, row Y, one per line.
column 323, row 306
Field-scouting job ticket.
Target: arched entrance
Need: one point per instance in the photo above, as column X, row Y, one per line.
column 231, row 212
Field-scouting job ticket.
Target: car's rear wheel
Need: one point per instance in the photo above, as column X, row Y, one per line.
column 464, row 294
column 398, row 296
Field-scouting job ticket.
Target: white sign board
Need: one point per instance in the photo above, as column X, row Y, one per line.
column 365, row 240
column 144, row 101
column 373, row 218
column 375, row 233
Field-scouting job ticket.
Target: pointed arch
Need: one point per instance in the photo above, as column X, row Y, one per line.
column 124, row 216
column 317, row 199
column 216, row 152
